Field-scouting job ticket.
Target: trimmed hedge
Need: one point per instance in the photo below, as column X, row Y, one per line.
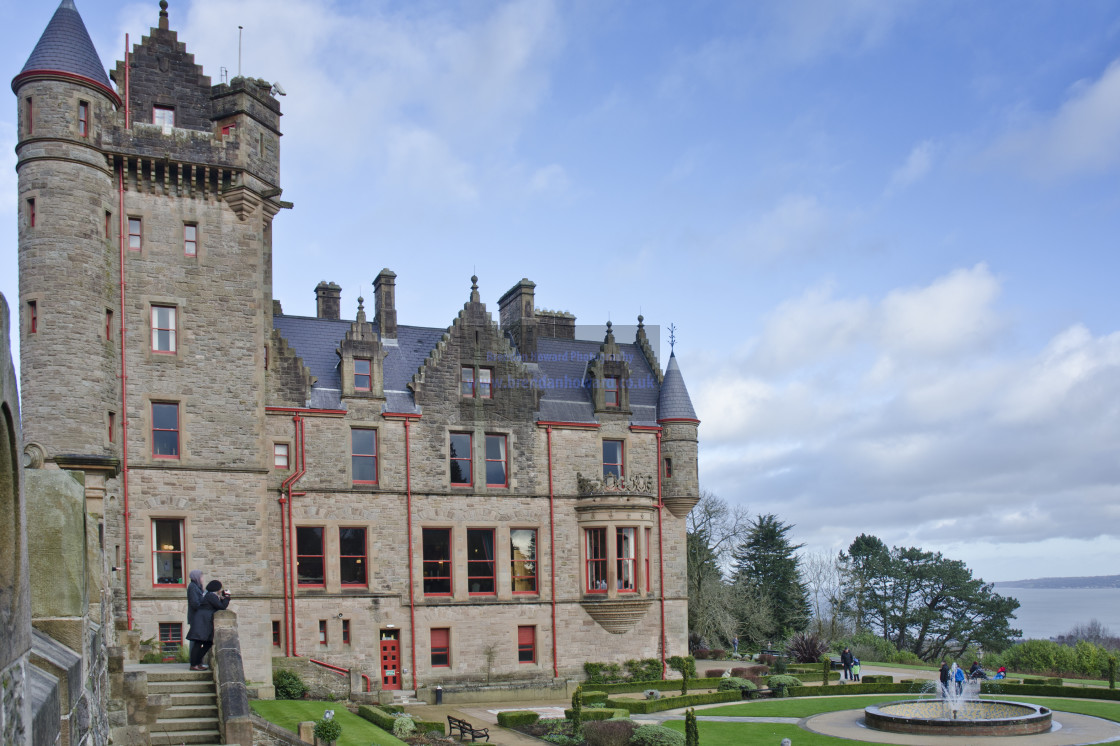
column 514, row 718
column 663, row 685
column 598, row 713
column 384, row 720
column 645, row 706
column 877, row 679
column 594, row 697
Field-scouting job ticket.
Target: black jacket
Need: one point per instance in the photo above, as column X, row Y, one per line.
column 202, row 628
column 846, row 658
column 195, row 593
column 944, row 673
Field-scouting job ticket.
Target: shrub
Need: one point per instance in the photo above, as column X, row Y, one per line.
column 647, row 669
column 686, row 666
column 1112, row 672
column 609, row 732
column 328, row 731
column 806, row 648
column 576, row 715
column 905, row 657
column 779, row 666
column 643, row 707
column 288, row 685
column 603, row 673
column 599, row 713
column 701, row 654
column 719, row 654
column 781, row 683
column 652, row 693
column 656, row 735
column 741, row 672
column 514, row 718
column 714, row 673
column 593, row 697
column 877, row 679
column 691, row 733
column 731, row 683
column 767, row 659
column 403, row 726
column 152, row 658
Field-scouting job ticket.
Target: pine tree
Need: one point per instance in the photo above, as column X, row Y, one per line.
column 767, row 561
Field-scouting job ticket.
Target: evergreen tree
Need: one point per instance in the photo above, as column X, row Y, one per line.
column 767, row 561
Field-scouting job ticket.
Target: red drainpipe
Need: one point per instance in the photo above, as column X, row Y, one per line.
column 661, row 554
column 284, row 531
column 408, row 418
column 124, row 385
column 552, row 552
column 291, row 531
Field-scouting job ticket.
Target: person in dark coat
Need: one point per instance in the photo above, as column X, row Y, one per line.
column 846, row 659
column 202, row 628
column 944, row 678
column 195, row 592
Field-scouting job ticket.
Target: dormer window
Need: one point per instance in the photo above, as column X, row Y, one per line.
column 163, row 116
column 610, row 391
column 363, row 375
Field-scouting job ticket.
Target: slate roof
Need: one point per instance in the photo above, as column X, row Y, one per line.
column 560, row 368
column 65, row 47
column 674, row 402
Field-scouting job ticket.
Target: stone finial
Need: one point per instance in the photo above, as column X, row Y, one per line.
column 609, row 339
column 361, row 318
column 163, row 15
column 475, row 298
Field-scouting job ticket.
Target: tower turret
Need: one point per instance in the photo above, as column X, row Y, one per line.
column 680, row 485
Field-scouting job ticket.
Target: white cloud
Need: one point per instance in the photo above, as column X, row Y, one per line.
column 798, row 224
column 549, row 179
column 917, row 165
column 1081, row 137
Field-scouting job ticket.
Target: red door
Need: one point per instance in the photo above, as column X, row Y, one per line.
column 390, row 664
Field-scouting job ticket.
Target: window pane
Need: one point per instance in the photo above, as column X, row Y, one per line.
column 437, row 561
column 496, row 447
column 165, row 416
column 484, row 383
column 309, row 540
column 523, row 555
column 352, row 570
column 460, row 458
column 309, row 554
column 190, row 232
column 165, row 443
column 612, row 457
column 480, row 560
column 352, row 541
column 467, row 381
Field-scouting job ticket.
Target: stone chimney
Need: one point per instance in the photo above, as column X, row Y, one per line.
column 328, row 300
column 518, row 317
column 385, row 303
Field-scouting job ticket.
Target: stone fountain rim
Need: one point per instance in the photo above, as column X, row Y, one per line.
column 886, row 722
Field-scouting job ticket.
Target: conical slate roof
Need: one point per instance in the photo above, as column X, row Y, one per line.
column 65, row 47
column 674, row 402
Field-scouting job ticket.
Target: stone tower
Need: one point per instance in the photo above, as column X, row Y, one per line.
column 680, row 484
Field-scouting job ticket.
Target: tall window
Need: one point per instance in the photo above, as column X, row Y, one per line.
column 363, row 376
column 466, row 380
column 164, row 116
column 497, row 471
column 167, row 551
column 610, row 391
column 163, row 329
column 626, row 557
column 83, row 119
column 526, row 644
column 275, row 633
column 523, row 559
column 309, row 555
column 170, row 637
column 30, row 115
column 352, row 555
column 31, row 213
column 32, row 317
column 484, row 377
column 612, row 458
column 280, row 455
column 108, row 323
column 112, row 426
column 363, row 456
column 441, row 648
column 190, row 239
column 135, row 232
column 165, row 430
column 437, row 561
column 108, row 223
column 322, row 631
column 480, row 561
column 668, row 468
column 596, row 558
column 460, row 458
column 345, row 631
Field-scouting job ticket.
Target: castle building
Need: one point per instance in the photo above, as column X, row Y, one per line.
column 414, row 504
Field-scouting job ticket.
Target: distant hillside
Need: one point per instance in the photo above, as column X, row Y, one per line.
column 1096, row 581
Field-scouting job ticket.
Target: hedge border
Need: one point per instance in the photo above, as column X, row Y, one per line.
column 663, row 685
column 646, row 706
column 384, row 720
column 598, row 713
column 513, row 718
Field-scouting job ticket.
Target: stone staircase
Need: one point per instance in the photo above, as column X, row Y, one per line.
column 405, row 697
column 192, row 717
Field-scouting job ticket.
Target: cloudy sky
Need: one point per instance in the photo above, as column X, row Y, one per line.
column 886, row 231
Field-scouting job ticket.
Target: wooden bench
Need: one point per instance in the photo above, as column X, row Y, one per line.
column 465, row 728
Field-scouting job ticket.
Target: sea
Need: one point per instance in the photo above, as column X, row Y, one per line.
column 1048, row 612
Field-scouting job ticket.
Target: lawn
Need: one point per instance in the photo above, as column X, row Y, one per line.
column 356, row 731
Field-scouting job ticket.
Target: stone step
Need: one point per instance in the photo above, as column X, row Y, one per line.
column 181, row 687
column 190, row 711
column 182, row 737
column 209, row 699
column 180, row 674
column 176, row 725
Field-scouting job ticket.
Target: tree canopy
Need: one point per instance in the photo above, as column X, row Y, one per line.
column 767, row 563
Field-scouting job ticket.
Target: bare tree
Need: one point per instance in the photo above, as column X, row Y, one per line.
column 714, row 529
column 823, row 575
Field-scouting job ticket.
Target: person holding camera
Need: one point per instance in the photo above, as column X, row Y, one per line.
column 201, row 631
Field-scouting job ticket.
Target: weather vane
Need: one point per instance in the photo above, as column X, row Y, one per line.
column 672, row 336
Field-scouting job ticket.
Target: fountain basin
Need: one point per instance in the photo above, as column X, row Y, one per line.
column 973, row 717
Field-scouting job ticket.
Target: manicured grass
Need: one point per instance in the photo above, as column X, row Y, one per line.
column 1096, row 708
column 356, row 731
column 737, row 734
column 799, row 707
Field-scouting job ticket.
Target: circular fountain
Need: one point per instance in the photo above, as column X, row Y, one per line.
column 957, row 710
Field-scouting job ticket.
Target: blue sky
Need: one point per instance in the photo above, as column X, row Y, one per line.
column 886, row 231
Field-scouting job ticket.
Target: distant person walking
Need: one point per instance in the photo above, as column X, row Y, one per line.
column 195, row 592
column 202, row 628
column 846, row 659
column 735, row 643
column 958, row 676
column 944, row 673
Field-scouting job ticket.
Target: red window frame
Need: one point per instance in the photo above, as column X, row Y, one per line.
column 352, row 557
column 437, row 565
column 345, row 631
column 190, row 239
column 363, row 374
column 173, row 532
column 227, row 129
column 626, row 565
column 456, row 458
column 32, row 317
column 619, row 467
column 523, row 568
column 31, row 212
column 168, row 115
column 172, row 322
column 170, row 637
column 280, row 455
column 466, row 381
column 161, row 445
column 485, row 383
column 649, row 550
column 363, row 455
column 275, row 633
column 481, row 572
column 441, row 647
column 306, row 555
column 83, row 119
column 610, row 391
column 595, row 559
column 322, row 631
column 498, row 455
column 526, row 644
column 135, row 234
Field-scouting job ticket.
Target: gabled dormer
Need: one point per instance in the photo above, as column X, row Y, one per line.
column 361, row 360
column 608, row 378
